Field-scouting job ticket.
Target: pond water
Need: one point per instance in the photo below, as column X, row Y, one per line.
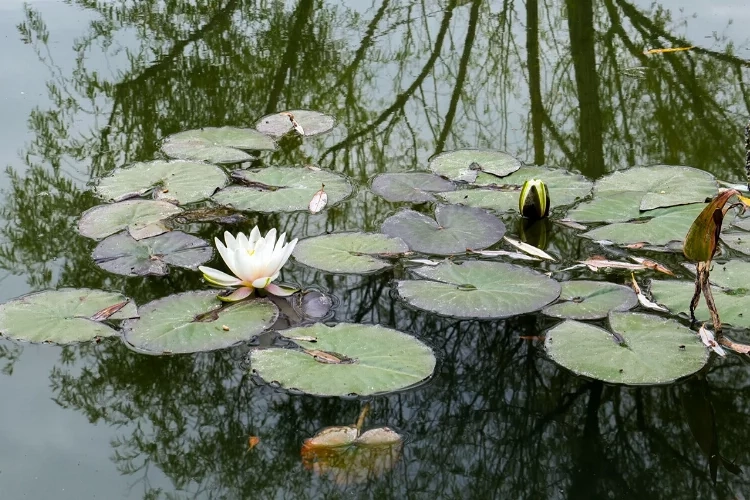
column 90, row 86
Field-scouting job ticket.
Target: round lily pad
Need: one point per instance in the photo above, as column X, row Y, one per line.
column 312, row 122
column 180, row 181
column 669, row 224
column 586, row 300
column 102, row 220
column 63, row 316
column 414, row 187
column 454, row 229
column 282, row 189
column 374, row 359
column 732, row 304
column 610, row 206
column 478, row 289
column 217, row 145
column 196, row 322
column 355, row 253
column 121, row 254
column 651, row 350
column 466, row 164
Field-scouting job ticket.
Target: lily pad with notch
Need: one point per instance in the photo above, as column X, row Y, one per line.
column 356, row 253
column 454, row 229
column 64, row 316
column 667, row 225
column 103, row 220
column 176, row 181
column 645, row 350
column 346, row 359
column 196, row 322
column 312, row 123
column 588, row 300
column 732, row 303
column 478, row 289
column 121, row 254
column 282, row 189
column 223, row 145
column 465, row 164
column 413, row 187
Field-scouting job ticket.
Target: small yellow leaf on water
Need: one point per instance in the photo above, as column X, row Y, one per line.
column 225, row 328
column 667, row 50
column 252, row 442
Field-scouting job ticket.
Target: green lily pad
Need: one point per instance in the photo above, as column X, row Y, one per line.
column 103, row 220
column 465, row 164
column 608, row 207
column 478, row 289
column 655, row 350
column 414, row 187
column 181, row 181
column 355, row 253
column 376, row 360
column 738, row 241
column 741, row 222
column 312, row 123
column 457, row 228
column 121, row 254
column 216, row 145
column 586, row 300
column 732, row 304
column 671, row 224
column 62, row 316
column 196, row 322
column 282, row 189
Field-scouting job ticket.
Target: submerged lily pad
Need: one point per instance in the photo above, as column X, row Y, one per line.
column 732, row 304
column 586, row 300
column 62, row 316
column 414, row 187
column 196, row 322
column 375, row 360
column 348, row 252
column 282, row 189
column 466, row 164
column 217, row 144
column 179, row 181
column 457, row 228
column 121, row 254
column 312, row 122
column 102, row 220
column 478, row 289
column 670, row 224
column 654, row 350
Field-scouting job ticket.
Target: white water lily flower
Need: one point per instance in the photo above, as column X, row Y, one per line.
column 255, row 262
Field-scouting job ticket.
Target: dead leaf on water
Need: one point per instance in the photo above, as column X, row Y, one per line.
column 529, row 249
column 707, row 337
column 252, row 442
column 668, row 50
column 318, row 201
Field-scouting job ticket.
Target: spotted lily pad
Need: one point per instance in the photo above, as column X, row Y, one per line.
column 312, row 123
column 216, row 145
column 414, row 187
column 466, row 164
column 355, row 253
column 647, row 349
column 282, row 189
column 103, row 220
column 374, row 359
column 195, row 322
column 63, row 316
column 586, row 300
column 670, row 224
column 121, row 254
column 478, row 289
column 179, row 181
column 454, row 229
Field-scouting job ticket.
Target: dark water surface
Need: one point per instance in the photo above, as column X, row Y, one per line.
column 86, row 86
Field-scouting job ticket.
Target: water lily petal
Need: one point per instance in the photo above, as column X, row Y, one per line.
column 262, row 282
column 216, row 277
column 242, row 240
column 247, row 265
column 280, row 291
column 230, row 240
column 254, row 236
column 239, row 294
column 227, row 255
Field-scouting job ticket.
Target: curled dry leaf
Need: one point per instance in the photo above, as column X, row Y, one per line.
column 667, row 50
column 652, row 264
column 297, row 127
column 107, row 312
column 318, row 201
column 645, row 302
column 596, row 263
column 707, row 337
column 529, row 249
column 503, row 253
column 252, row 442
column 425, row 262
column 735, row 346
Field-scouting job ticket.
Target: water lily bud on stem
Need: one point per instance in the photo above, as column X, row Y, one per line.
column 533, row 202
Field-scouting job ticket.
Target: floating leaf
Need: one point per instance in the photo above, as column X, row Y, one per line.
column 672, row 224
column 530, row 249
column 318, row 201
column 595, row 264
column 738, row 241
column 502, row 253
column 414, row 187
column 282, row 189
column 703, row 236
column 586, row 300
column 667, row 50
column 383, row 360
column 457, row 228
column 643, row 300
column 707, row 337
column 479, row 289
column 62, row 316
column 121, row 254
column 216, row 145
column 355, row 253
column 183, row 181
column 309, row 123
column 195, row 322
column 102, row 220
column 465, row 164
column 656, row 350
column 653, row 265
